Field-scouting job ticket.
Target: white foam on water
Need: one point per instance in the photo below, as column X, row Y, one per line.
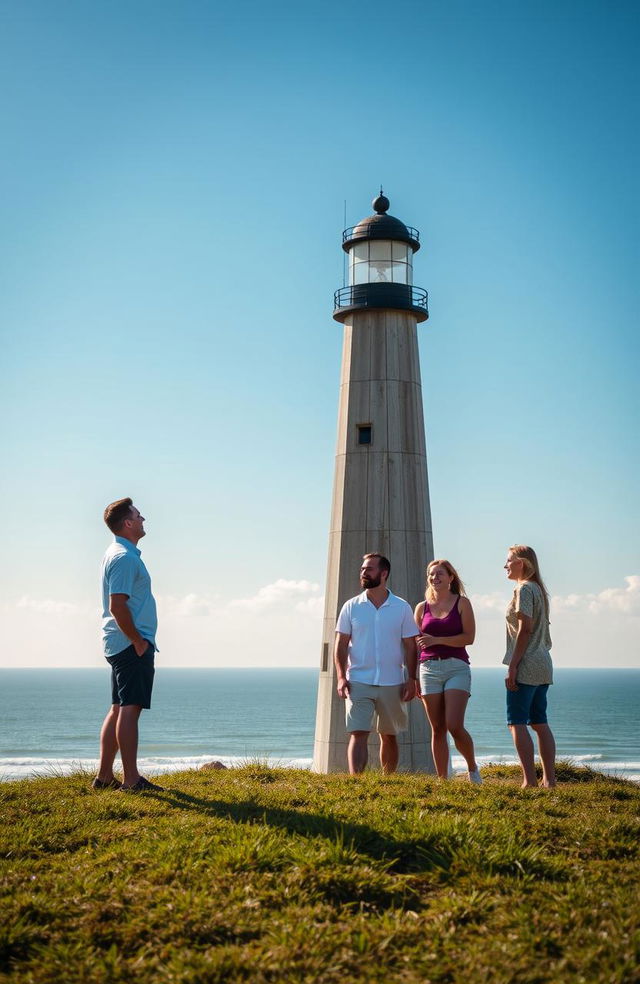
column 30, row 768
column 457, row 761
column 15, row 768
column 592, row 757
column 620, row 770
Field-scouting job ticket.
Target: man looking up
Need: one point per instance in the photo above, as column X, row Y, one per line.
column 129, row 624
column 375, row 642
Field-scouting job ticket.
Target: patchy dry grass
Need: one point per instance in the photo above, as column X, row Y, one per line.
column 259, row 875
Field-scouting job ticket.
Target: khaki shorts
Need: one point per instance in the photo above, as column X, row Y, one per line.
column 366, row 702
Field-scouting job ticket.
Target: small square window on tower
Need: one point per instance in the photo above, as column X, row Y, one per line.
column 364, row 433
column 324, row 665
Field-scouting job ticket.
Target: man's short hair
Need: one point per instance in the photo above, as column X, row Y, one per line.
column 383, row 563
column 116, row 513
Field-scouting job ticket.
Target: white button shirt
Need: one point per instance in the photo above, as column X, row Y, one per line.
column 376, row 654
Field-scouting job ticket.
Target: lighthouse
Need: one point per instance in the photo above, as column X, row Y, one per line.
column 380, row 491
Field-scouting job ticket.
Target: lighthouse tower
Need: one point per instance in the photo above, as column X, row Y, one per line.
column 380, row 493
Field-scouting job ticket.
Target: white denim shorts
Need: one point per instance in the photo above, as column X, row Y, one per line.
column 384, row 704
column 438, row 675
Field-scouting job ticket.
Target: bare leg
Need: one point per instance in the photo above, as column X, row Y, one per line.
column 524, row 748
column 455, row 702
column 108, row 744
column 389, row 753
column 127, row 735
column 435, row 707
column 357, row 752
column 547, row 750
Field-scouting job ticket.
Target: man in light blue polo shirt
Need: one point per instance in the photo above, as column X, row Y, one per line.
column 375, row 657
column 129, row 624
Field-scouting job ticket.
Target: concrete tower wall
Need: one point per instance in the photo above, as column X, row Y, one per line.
column 380, row 503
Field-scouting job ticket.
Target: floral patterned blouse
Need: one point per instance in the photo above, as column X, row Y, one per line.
column 536, row 667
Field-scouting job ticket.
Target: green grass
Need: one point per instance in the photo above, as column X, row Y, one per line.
column 259, row 875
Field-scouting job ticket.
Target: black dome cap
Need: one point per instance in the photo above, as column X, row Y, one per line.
column 381, row 226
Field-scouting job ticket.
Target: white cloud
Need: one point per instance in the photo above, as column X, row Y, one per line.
column 581, row 635
column 280, row 597
column 620, row 601
column 281, row 626
column 312, row 606
column 47, row 606
column 189, row 606
column 280, row 594
column 278, row 626
column 491, row 604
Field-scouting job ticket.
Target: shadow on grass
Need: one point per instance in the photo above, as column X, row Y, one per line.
column 403, row 856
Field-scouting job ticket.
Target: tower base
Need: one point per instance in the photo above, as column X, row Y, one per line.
column 330, row 754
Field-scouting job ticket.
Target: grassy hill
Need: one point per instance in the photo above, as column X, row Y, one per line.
column 260, row 875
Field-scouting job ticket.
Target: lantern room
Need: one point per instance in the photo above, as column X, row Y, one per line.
column 380, row 250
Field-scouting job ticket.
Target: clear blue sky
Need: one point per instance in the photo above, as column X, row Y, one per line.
column 172, row 183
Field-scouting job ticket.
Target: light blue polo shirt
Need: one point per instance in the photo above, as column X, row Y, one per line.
column 123, row 572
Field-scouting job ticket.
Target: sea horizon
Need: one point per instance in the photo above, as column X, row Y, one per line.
column 246, row 666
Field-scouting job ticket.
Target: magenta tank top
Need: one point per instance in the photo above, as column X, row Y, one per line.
column 450, row 625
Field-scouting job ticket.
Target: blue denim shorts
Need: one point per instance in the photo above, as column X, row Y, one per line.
column 527, row 704
column 132, row 677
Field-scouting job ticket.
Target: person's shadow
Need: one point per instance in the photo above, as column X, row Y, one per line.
column 422, row 853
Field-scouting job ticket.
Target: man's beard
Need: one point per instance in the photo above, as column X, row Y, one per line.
column 371, row 582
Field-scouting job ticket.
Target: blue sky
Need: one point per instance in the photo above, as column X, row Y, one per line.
column 173, row 188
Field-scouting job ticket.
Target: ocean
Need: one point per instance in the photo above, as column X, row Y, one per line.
column 50, row 719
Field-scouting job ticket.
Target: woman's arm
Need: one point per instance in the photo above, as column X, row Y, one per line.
column 525, row 626
column 418, row 615
column 464, row 638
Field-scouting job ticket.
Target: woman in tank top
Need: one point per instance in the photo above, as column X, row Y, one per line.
column 530, row 668
column 446, row 622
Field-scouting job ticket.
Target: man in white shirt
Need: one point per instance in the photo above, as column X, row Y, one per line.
column 375, row 658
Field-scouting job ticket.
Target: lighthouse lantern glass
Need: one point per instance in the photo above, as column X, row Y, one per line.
column 380, row 261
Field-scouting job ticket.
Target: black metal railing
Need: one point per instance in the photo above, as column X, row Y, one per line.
column 387, row 295
column 364, row 226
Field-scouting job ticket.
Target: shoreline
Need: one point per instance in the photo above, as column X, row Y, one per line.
column 17, row 769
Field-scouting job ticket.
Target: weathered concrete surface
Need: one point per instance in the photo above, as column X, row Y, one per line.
column 380, row 503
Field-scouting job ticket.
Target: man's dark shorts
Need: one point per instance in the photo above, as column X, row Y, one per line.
column 132, row 677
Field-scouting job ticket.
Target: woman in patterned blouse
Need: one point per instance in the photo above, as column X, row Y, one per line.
column 530, row 666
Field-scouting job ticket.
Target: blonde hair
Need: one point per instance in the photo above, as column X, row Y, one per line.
column 457, row 587
column 531, row 570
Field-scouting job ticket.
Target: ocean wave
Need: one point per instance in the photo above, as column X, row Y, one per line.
column 615, row 766
column 21, row 762
column 623, row 770
column 30, row 768
column 457, row 761
column 591, row 757
column 15, row 768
